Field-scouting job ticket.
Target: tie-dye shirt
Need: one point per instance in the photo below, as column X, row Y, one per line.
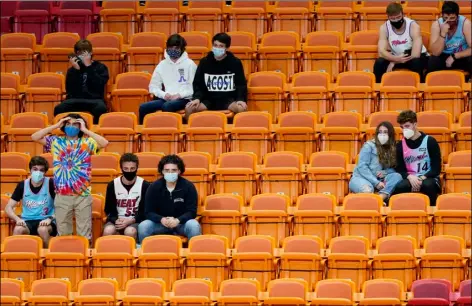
column 72, row 164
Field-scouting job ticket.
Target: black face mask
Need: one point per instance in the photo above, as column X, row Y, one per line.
column 129, row 175
column 397, row 24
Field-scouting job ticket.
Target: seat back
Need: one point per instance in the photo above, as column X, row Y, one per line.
column 54, row 53
column 279, row 52
column 147, row 290
column 17, row 54
column 11, row 291
column 341, row 290
column 119, row 18
column 243, row 46
column 14, row 169
column 197, row 170
column 45, row 91
column 335, row 16
column 148, row 162
column 458, row 173
column 105, row 167
column 50, row 292
column 33, row 17
column 382, row 289
column 399, row 90
column 9, row 92
column 198, row 44
column 322, row 52
column 362, row 50
column 266, row 93
column 437, row 124
column 146, row 50
column 119, row 129
column 248, row 16
column 205, row 16
column 239, row 291
column 22, row 126
column 463, row 134
column 161, row 133
column 309, row 92
column 130, row 91
column 97, row 291
column 452, row 216
column 162, row 16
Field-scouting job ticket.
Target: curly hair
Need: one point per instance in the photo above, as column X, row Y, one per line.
column 407, row 116
column 171, row 159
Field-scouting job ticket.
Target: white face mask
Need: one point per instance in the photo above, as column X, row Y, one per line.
column 383, row 138
column 171, row 177
column 408, row 133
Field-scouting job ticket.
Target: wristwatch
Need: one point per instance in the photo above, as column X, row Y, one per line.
column 453, row 56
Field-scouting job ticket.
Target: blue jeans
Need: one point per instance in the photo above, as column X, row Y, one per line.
column 148, row 228
column 161, row 104
column 358, row 184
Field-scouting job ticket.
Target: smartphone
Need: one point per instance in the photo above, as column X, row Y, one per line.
column 79, row 61
column 407, row 52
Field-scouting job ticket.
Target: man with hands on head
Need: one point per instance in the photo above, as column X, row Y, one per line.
column 171, row 203
column 72, row 168
column 400, row 44
column 450, row 42
column 37, row 194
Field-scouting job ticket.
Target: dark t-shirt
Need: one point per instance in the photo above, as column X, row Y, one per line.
column 20, row 188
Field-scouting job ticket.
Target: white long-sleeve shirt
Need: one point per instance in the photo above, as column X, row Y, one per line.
column 176, row 77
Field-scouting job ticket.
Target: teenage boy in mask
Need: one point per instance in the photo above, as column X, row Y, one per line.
column 418, row 159
column 124, row 204
column 219, row 82
column 450, row 42
column 37, row 194
column 175, row 73
column 400, row 44
column 72, row 167
column 170, row 203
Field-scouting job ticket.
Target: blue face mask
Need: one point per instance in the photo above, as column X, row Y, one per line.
column 37, row 176
column 218, row 52
column 171, row 177
column 174, row 53
column 71, row 131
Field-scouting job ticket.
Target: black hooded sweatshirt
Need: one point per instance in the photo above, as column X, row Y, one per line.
column 88, row 82
column 217, row 81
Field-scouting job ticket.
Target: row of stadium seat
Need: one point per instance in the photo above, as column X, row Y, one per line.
column 259, row 17
column 243, row 292
column 256, row 256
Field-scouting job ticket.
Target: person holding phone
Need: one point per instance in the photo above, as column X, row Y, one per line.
column 85, row 83
column 400, row 45
column 450, row 42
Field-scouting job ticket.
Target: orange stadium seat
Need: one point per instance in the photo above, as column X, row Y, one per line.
column 97, row 292
column 309, row 92
column 236, row 174
column 162, row 16
column 444, row 92
column 248, row 16
column 297, row 133
column 376, row 118
column 105, row 167
column 465, row 8
column 198, row 44
column 50, row 292
column 197, row 170
column 98, row 216
column 338, row 292
column 361, row 217
column 206, row 259
column 161, row 133
column 295, row 16
column 399, row 91
column 314, row 216
column 266, row 93
column 425, row 38
column 14, row 168
column 240, row 291
column 44, row 91
column 206, row 132
column 222, row 216
column 287, row 292
column 322, row 52
column 145, row 291
column 348, row 259
column 159, row 258
column 55, row 50
column 355, row 93
column 335, row 16
column 452, row 216
column 10, row 95
column 459, row 172
column 115, row 251
column 20, row 259
column 362, row 50
column 253, row 258
column 382, row 292
column 131, row 89
column 33, row 17
column 423, row 12
column 11, row 292
column 267, row 215
column 205, row 16
column 325, row 168
column 341, row 133
column 464, row 132
column 282, row 174
column 67, row 259
column 243, row 45
column 145, row 51
column 119, row 17
column 372, row 14
column 3, row 134
column 6, row 223
column 408, row 216
column 119, row 128
column 438, row 124
column 251, row 132
column 280, row 52
column 191, row 291
column 301, row 259
column 22, row 126
column 148, row 162
column 17, row 54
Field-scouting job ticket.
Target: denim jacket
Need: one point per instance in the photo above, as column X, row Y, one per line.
column 369, row 164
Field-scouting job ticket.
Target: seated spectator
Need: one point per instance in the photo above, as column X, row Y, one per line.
column 124, row 204
column 418, row 159
column 176, row 74
column 37, row 210
column 219, row 82
column 85, row 83
column 171, row 203
column 400, row 44
column 375, row 169
column 450, row 42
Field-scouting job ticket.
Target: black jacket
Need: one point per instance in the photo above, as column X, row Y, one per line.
column 214, row 79
column 87, row 83
column 180, row 204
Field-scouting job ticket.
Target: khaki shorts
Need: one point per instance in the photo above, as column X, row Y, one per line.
column 66, row 207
